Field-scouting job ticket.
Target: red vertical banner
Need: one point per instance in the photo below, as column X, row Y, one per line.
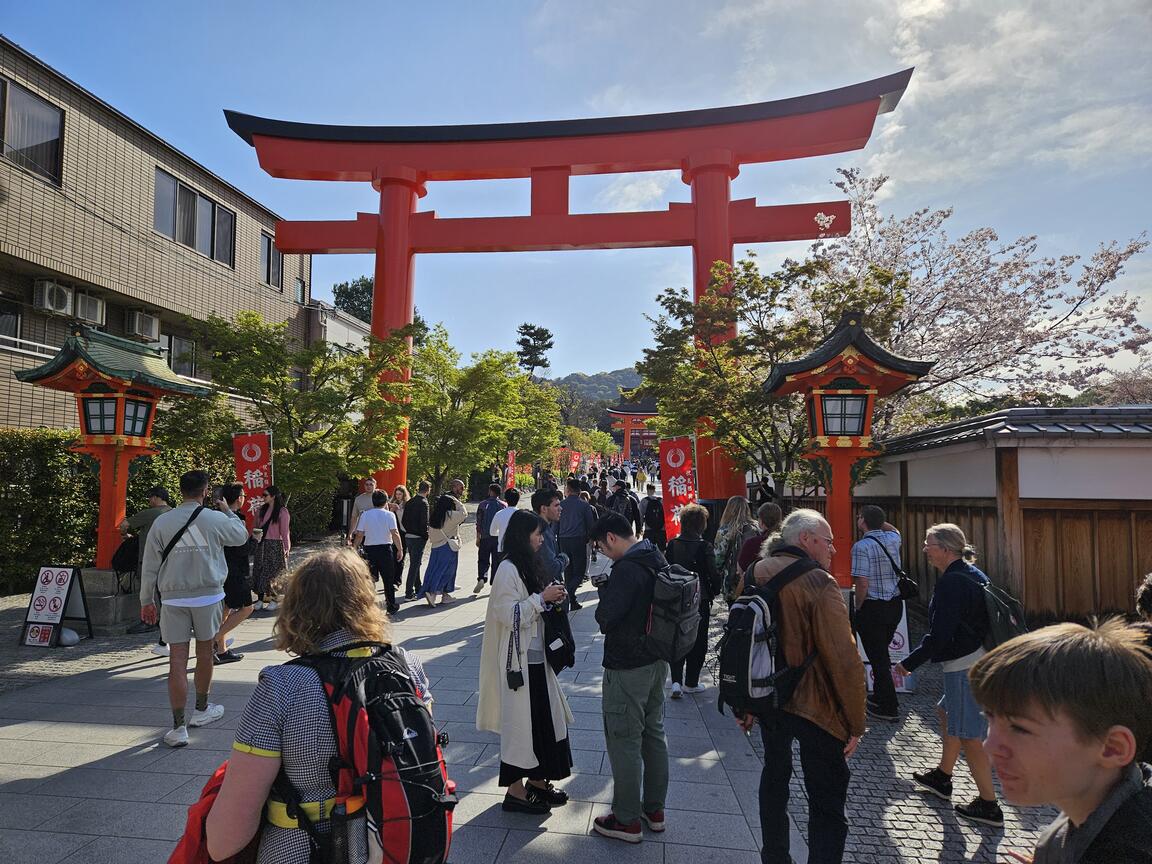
column 574, row 461
column 510, row 470
column 678, row 480
column 253, row 454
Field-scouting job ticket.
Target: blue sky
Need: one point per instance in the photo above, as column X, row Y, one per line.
column 1029, row 117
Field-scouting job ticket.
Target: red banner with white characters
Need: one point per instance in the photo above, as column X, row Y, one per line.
column 678, row 480
column 253, row 453
column 510, row 470
column 574, row 461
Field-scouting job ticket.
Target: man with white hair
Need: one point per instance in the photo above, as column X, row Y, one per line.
column 826, row 711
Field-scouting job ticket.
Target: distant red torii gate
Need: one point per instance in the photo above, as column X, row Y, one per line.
column 707, row 147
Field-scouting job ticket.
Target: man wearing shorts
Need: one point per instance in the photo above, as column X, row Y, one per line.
column 238, row 598
column 184, row 559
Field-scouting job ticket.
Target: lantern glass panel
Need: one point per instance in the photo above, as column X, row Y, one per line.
column 136, row 417
column 100, row 416
column 844, row 415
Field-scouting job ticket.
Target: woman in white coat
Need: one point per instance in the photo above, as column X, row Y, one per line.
column 533, row 718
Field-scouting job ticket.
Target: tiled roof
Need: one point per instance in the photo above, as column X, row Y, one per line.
column 644, row 406
column 1123, row 421
column 119, row 358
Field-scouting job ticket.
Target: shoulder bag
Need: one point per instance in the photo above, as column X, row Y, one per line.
column 907, row 588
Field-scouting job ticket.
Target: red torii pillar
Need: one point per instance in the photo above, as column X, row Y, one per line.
column 707, row 146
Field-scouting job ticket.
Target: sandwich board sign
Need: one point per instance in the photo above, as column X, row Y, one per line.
column 58, row 597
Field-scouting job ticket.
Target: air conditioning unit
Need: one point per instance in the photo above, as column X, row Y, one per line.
column 49, row 296
column 89, row 309
column 142, row 325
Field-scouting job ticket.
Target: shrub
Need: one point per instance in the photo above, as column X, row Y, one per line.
column 48, row 503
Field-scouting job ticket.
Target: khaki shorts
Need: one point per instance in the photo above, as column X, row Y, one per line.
column 178, row 623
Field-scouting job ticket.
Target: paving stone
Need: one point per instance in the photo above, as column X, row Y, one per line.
column 718, row 830
column 121, row 850
column 41, row 847
column 113, row 818
column 484, row 809
column 526, row 847
column 113, row 785
column 22, row 811
column 473, row 844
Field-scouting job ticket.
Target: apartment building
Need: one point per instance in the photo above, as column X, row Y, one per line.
column 104, row 222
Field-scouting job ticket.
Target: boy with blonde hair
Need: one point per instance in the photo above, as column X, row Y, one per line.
column 1068, row 712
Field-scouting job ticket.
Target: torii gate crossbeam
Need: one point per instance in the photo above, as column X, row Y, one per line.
column 707, row 147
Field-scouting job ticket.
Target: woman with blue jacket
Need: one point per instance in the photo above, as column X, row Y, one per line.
column 957, row 624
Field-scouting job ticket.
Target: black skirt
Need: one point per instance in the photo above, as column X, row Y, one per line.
column 554, row 757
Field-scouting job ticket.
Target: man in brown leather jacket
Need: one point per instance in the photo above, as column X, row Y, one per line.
column 826, row 711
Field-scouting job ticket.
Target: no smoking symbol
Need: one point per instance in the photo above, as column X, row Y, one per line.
column 39, row 603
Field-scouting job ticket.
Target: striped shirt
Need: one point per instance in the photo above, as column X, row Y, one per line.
column 869, row 562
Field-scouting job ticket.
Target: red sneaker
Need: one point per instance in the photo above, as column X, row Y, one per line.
column 610, row 826
column 654, row 820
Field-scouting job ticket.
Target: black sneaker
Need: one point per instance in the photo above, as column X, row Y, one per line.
column 533, row 804
column 984, row 812
column 936, row 782
column 874, row 711
column 222, row 657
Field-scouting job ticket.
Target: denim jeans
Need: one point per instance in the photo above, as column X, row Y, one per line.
column 825, row 778
column 876, row 621
column 415, row 562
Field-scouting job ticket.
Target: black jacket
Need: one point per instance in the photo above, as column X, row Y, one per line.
column 697, row 555
column 621, row 502
column 622, row 612
column 957, row 617
column 416, row 516
column 236, row 557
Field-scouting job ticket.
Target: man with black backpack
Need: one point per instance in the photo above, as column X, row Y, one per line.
column 652, row 515
column 825, row 710
column 633, row 688
column 621, row 502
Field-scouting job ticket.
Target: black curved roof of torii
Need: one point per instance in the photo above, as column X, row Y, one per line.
column 647, row 405
column 849, row 331
column 888, row 90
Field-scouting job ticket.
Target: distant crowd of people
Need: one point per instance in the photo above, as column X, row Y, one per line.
column 1060, row 714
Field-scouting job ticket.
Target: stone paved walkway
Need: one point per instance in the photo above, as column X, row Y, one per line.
column 83, row 777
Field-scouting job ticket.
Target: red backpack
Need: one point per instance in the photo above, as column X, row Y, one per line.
column 389, row 771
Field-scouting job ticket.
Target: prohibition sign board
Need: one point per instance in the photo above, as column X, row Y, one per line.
column 58, row 596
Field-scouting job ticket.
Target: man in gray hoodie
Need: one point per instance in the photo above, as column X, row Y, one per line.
column 184, row 558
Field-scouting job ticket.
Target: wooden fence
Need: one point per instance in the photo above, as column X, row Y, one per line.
column 1079, row 558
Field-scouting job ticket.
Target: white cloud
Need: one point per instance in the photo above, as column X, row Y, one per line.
column 631, row 192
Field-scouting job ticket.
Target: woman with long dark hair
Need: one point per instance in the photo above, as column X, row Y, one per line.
column 520, row 697
column 448, row 514
column 275, row 542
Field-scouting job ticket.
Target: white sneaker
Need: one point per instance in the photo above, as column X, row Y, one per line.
column 676, row 690
column 161, row 650
column 271, row 607
column 177, row 737
column 258, row 605
column 209, row 715
column 699, row 688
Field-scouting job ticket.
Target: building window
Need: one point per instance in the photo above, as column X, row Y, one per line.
column 182, row 355
column 33, row 131
column 9, row 320
column 182, row 213
column 136, row 417
column 301, row 291
column 271, row 262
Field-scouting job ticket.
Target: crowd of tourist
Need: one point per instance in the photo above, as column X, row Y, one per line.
column 1059, row 715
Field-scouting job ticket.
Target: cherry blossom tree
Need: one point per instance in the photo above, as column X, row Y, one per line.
column 1000, row 320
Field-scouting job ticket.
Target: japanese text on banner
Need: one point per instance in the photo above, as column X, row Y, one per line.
column 678, row 480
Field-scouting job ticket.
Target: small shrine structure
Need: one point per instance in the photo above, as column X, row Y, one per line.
column 117, row 384
column 840, row 381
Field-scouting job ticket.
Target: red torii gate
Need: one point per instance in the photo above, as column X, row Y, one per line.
column 631, row 418
column 707, row 147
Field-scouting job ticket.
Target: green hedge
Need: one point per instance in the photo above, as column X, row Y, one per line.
column 47, row 505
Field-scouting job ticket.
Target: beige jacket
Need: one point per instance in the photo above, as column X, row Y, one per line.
column 831, row 693
column 452, row 523
column 502, row 709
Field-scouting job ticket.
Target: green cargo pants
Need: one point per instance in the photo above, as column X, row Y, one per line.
column 633, row 704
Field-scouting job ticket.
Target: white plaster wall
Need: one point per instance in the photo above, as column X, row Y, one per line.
column 936, row 474
column 1086, row 473
column 337, row 332
column 881, row 486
